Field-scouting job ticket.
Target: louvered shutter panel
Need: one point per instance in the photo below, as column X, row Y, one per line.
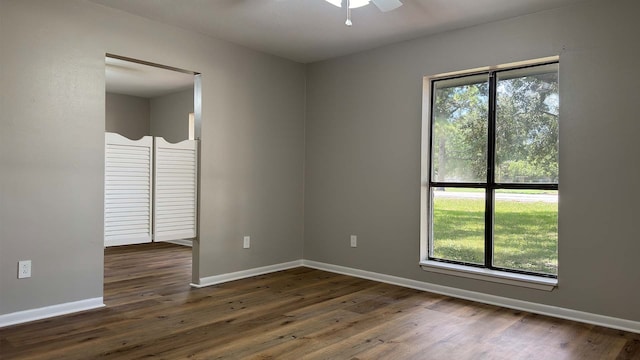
column 175, row 190
column 127, row 190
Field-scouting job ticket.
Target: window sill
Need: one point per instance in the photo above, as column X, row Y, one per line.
column 529, row 281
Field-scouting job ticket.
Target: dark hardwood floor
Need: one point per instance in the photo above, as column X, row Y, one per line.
column 301, row 313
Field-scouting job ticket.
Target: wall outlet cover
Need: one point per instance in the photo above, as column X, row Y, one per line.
column 24, row 269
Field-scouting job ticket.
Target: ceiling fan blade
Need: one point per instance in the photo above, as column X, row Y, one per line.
column 387, row 5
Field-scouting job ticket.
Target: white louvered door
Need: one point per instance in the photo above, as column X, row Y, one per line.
column 127, row 190
column 175, row 190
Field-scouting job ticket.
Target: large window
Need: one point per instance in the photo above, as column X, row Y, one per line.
column 493, row 170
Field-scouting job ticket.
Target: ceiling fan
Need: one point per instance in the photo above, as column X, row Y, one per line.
column 383, row 5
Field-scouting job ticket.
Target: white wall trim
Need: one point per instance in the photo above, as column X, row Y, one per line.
column 558, row 312
column 554, row 311
column 20, row 317
column 503, row 277
column 222, row 278
column 183, row 242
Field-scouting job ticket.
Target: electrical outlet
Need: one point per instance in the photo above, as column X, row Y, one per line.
column 246, row 242
column 24, row 269
column 354, row 241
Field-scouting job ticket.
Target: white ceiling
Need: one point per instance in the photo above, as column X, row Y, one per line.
column 130, row 78
column 312, row 30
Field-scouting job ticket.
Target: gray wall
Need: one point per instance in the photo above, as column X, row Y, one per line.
column 127, row 115
column 363, row 151
column 165, row 116
column 52, row 124
column 170, row 115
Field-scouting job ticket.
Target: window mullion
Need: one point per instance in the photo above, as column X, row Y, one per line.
column 490, row 189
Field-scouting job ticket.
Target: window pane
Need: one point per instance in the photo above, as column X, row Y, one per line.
column 458, row 224
column 459, row 143
column 527, row 125
column 526, row 230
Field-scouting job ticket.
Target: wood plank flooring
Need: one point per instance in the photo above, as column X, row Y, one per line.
column 301, row 313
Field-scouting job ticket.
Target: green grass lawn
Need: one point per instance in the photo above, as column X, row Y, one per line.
column 525, row 233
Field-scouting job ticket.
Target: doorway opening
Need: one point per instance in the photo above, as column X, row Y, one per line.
column 151, row 191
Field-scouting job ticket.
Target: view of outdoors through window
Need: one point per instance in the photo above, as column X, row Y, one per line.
column 496, row 135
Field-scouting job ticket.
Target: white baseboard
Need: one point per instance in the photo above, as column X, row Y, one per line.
column 554, row 311
column 218, row 279
column 183, row 242
column 563, row 313
column 20, row 317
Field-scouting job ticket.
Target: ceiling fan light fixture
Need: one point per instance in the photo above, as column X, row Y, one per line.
column 352, row 4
